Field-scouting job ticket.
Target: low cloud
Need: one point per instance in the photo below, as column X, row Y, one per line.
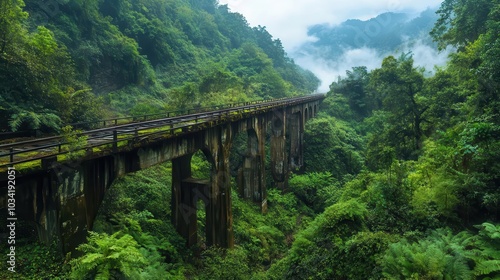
column 290, row 21
column 329, row 71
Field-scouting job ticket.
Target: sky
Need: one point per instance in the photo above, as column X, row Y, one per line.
column 289, row 20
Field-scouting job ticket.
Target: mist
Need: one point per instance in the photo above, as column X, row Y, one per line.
column 329, row 70
column 333, row 49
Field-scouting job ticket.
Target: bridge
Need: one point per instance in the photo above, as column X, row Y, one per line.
column 61, row 193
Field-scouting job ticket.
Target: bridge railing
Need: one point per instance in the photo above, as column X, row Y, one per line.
column 172, row 113
column 112, row 138
column 132, row 119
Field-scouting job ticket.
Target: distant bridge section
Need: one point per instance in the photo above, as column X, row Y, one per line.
column 62, row 196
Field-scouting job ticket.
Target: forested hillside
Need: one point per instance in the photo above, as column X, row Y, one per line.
column 384, row 33
column 401, row 177
column 66, row 61
column 414, row 164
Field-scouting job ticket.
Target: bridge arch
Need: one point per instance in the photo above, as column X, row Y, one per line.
column 247, row 157
column 188, row 191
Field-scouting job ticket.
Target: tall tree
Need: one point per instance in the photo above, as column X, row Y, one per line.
column 461, row 21
column 400, row 87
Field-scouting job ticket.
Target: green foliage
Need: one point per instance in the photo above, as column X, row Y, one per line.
column 461, row 22
column 388, row 200
column 84, row 106
column 441, row 255
column 74, row 142
column 400, row 87
column 363, row 253
column 136, row 205
column 318, row 251
column 35, row 260
column 394, row 153
column 316, row 190
column 146, row 190
column 11, row 20
column 332, row 146
column 486, row 252
column 224, row 264
column 173, row 54
column 265, row 238
column 353, row 88
column 108, row 256
column 31, row 120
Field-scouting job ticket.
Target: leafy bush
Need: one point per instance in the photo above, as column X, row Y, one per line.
column 224, row 264
column 318, row 251
column 332, row 146
column 316, row 190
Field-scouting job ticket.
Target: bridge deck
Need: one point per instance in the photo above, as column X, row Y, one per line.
column 29, row 154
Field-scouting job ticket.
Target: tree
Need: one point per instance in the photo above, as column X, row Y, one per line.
column 354, row 88
column 331, row 146
column 400, row 87
column 461, row 21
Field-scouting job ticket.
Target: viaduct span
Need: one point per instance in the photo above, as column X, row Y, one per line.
column 62, row 197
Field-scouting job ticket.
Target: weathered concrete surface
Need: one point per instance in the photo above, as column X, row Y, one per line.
column 296, row 132
column 251, row 176
column 63, row 199
column 279, row 160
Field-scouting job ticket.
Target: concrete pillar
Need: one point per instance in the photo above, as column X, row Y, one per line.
column 219, row 213
column 296, row 132
column 186, row 192
column 251, row 176
column 183, row 209
column 279, row 161
column 215, row 193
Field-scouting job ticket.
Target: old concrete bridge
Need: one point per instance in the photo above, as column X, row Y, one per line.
column 62, row 196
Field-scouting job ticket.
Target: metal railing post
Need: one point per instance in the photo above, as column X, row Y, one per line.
column 115, row 141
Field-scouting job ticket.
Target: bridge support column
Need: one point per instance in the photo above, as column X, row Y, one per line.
column 296, row 132
column 219, row 212
column 215, row 193
column 183, row 203
column 251, row 176
column 279, row 162
column 64, row 202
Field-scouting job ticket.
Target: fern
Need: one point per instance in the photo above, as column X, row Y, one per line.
column 441, row 255
column 105, row 255
column 34, row 120
column 485, row 267
column 486, row 252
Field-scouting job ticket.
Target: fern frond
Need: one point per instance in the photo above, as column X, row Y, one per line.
column 486, row 267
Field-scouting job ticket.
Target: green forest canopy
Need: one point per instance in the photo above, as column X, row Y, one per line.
column 68, row 61
column 402, row 176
